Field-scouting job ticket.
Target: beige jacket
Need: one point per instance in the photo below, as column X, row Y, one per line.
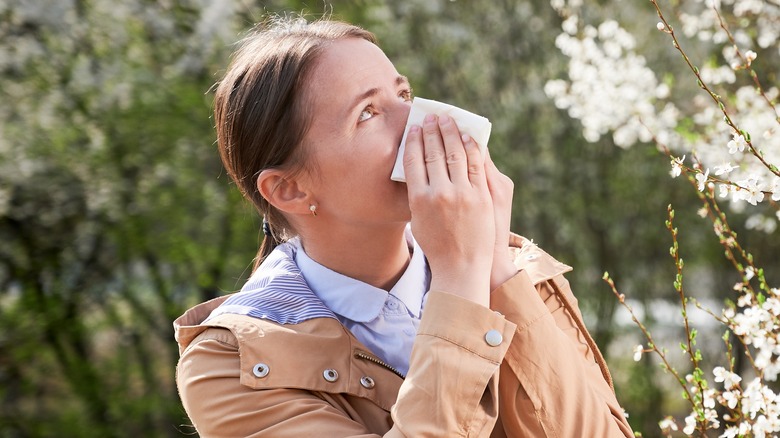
column 526, row 367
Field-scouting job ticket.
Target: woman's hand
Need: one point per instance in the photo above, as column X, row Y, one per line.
column 452, row 209
column 501, row 190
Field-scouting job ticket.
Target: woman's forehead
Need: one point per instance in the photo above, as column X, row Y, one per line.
column 352, row 64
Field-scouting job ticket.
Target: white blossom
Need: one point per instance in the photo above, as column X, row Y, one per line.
column 610, row 87
column 677, row 166
column 638, row 350
column 775, row 189
column 708, row 398
column 690, row 425
column 724, row 168
column 729, row 379
column 745, row 299
column 731, row 398
column 754, row 193
column 715, row 75
column 701, row 179
column 724, row 190
column 737, row 144
column 750, row 56
column 571, row 24
column 668, row 424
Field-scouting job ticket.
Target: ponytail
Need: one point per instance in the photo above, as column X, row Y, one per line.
column 270, row 241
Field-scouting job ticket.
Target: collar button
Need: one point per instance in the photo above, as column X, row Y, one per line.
column 261, row 370
column 330, row 375
column 367, row 382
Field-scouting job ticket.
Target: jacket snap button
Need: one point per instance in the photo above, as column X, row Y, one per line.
column 330, row 375
column 367, row 382
column 494, row 338
column 260, row 370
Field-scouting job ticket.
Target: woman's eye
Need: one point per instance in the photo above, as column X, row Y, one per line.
column 366, row 114
column 406, row 95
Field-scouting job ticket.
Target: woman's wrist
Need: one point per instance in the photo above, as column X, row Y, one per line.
column 471, row 284
column 503, row 269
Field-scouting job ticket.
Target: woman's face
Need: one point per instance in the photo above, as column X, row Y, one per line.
column 359, row 107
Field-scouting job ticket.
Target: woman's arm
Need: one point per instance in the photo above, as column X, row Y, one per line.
column 554, row 381
column 551, row 382
column 452, row 386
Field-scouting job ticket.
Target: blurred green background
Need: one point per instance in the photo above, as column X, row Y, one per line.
column 116, row 216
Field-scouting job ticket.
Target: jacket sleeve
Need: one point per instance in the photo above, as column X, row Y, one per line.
column 451, row 388
column 553, row 382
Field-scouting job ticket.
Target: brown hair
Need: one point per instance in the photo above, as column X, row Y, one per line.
column 260, row 110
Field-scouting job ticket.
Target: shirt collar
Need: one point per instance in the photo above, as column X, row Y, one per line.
column 359, row 301
column 413, row 284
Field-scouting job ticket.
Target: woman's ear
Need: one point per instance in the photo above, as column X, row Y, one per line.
column 283, row 192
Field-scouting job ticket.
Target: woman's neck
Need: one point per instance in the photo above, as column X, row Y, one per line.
column 375, row 257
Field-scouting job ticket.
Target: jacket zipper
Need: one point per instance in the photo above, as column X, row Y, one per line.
column 362, row 355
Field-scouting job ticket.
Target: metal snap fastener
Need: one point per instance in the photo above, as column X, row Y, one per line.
column 330, row 375
column 261, row 370
column 367, row 382
column 494, row 338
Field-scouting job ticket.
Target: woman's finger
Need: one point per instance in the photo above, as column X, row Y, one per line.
column 414, row 160
column 435, row 158
column 490, row 169
column 475, row 162
column 499, row 184
column 455, row 154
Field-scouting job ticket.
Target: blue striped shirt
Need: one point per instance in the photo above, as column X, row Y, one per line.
column 289, row 287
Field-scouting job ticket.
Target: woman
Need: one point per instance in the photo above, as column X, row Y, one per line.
column 345, row 328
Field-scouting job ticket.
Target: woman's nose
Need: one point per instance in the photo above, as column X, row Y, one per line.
column 401, row 116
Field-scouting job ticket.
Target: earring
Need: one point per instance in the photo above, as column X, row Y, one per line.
column 313, row 210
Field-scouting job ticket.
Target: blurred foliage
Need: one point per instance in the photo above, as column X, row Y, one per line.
column 115, row 214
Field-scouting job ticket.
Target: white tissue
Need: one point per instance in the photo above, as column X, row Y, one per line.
column 476, row 126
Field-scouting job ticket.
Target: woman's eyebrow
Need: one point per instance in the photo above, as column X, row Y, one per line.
column 400, row 80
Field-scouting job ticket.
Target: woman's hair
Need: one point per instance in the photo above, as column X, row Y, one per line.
column 260, row 107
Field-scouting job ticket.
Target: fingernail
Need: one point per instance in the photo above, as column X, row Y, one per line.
column 444, row 119
column 465, row 138
column 414, row 129
column 430, row 118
